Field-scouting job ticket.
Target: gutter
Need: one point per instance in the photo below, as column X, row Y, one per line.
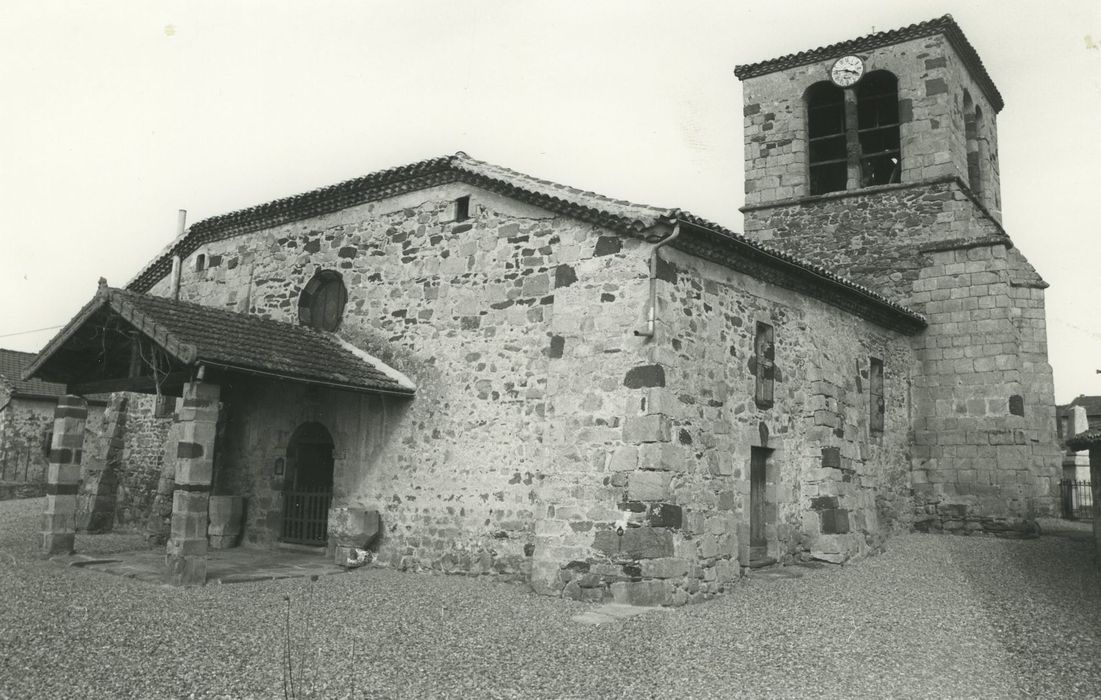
column 301, row 380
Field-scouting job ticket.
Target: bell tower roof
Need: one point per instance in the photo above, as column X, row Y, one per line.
column 942, row 25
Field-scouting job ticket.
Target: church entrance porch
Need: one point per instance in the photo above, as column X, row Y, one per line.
column 308, row 492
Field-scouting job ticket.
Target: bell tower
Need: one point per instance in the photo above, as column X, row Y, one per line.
column 877, row 158
column 899, row 107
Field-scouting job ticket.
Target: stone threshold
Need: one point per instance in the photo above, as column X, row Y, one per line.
column 225, row 566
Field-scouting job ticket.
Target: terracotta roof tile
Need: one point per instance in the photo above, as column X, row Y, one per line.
column 942, row 25
column 1084, row 441
column 618, row 215
column 12, row 364
column 194, row 334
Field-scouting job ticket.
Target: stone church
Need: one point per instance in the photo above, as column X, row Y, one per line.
column 467, row 369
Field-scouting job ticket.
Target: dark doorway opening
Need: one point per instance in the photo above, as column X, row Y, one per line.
column 309, row 487
column 758, row 510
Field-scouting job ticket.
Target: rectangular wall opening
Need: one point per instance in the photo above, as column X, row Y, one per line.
column 758, row 505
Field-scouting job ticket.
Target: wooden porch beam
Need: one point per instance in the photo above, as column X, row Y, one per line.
column 170, row 384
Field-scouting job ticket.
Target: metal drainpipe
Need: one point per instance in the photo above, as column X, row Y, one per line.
column 181, row 221
column 652, row 320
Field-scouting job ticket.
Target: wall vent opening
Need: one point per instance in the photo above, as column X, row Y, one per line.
column 462, row 208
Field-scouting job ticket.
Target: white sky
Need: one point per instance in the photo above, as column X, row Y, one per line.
column 115, row 115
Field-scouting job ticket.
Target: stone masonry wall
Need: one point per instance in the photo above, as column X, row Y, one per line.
column 670, row 525
column 931, row 84
column 931, row 248
column 985, row 452
column 835, row 488
column 467, row 311
column 877, row 236
column 24, row 425
column 143, row 460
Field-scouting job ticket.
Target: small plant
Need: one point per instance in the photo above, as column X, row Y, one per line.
column 308, row 675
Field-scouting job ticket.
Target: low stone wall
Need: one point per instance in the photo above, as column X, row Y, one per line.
column 955, row 520
column 10, row 491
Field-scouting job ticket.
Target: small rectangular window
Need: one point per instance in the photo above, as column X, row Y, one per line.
column 462, row 208
column 877, row 407
column 764, row 353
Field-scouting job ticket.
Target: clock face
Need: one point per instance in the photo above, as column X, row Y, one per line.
column 846, row 71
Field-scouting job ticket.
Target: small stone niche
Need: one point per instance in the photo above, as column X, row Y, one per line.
column 1017, row 405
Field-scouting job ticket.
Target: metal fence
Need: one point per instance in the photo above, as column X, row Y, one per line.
column 1077, row 499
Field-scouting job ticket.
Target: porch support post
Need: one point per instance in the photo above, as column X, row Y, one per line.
column 63, row 475
column 185, row 555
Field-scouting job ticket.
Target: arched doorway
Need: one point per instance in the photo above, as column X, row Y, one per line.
column 309, row 485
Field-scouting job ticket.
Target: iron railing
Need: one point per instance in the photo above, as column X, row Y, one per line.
column 306, row 516
column 1077, row 499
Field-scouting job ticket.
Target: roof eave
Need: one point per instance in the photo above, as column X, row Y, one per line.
column 945, row 25
column 864, row 302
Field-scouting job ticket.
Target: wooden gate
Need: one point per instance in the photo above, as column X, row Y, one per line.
column 306, row 515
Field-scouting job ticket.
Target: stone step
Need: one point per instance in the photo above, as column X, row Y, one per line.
column 761, row 562
column 774, row 573
column 610, row 612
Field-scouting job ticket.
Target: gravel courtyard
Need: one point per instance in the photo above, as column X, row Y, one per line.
column 935, row 616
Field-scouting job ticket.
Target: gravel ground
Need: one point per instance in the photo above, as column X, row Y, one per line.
column 935, row 616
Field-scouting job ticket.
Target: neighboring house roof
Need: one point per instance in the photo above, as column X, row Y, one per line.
column 12, row 364
column 1092, row 404
column 1084, row 441
column 942, row 25
column 193, row 334
column 617, row 215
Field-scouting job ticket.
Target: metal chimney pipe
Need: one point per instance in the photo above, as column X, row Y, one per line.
column 181, row 224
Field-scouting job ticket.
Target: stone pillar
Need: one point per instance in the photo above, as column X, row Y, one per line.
column 63, row 475
column 99, row 487
column 185, row 555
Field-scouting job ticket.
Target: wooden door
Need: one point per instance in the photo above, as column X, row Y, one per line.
column 758, row 458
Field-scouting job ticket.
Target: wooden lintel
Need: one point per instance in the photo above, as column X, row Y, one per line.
column 170, row 384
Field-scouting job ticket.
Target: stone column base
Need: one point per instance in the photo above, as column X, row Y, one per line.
column 58, row 543
column 185, row 562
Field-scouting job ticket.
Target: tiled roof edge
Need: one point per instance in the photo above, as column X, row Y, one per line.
column 377, row 185
column 886, row 312
column 100, row 298
column 941, row 25
column 1083, row 441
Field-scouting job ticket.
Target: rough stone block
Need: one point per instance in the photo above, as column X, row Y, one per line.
column 666, row 515
column 635, row 543
column 648, row 486
column 58, row 543
column 358, row 527
column 823, row 503
column 645, row 593
column 661, row 456
column 652, row 428
column 835, row 521
column 185, row 570
column 644, row 376
column 623, row 459
column 666, row 567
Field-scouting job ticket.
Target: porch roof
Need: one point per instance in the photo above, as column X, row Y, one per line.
column 124, row 340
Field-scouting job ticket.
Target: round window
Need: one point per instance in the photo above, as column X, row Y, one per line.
column 321, row 305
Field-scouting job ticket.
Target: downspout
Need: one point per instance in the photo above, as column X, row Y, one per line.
column 176, row 262
column 652, row 319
